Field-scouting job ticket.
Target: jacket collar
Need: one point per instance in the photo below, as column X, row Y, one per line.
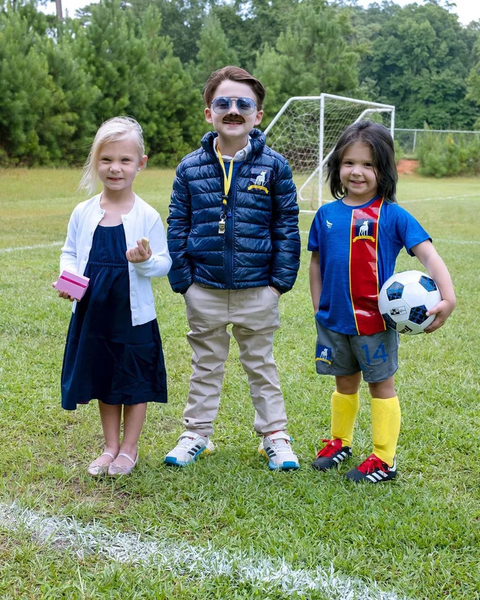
column 257, row 140
column 239, row 156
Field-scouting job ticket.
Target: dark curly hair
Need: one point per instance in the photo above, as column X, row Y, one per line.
column 376, row 136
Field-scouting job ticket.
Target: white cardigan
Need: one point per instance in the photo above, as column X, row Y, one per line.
column 142, row 221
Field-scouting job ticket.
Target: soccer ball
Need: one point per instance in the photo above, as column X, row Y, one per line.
column 405, row 299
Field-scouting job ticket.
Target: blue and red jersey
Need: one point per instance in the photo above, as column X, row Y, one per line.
column 358, row 247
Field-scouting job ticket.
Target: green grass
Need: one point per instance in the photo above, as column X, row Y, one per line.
column 418, row 536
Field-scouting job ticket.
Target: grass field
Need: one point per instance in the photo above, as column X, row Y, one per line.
column 228, row 528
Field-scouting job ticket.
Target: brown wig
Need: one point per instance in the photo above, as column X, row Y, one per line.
column 376, row 136
column 233, row 74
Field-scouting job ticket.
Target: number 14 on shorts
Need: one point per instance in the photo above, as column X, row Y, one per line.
column 379, row 354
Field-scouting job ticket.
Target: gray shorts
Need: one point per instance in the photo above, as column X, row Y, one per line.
column 375, row 355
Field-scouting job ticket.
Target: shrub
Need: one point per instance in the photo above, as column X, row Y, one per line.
column 447, row 155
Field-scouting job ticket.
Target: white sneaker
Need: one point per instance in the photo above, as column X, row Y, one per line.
column 277, row 449
column 189, row 446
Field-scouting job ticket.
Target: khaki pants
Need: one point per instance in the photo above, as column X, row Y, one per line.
column 254, row 316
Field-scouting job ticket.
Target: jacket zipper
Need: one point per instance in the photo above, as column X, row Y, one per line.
column 229, row 233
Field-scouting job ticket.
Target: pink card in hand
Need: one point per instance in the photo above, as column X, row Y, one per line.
column 74, row 285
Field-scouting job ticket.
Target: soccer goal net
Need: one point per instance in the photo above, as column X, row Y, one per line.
column 305, row 131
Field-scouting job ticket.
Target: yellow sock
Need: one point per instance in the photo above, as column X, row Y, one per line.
column 386, row 419
column 344, row 412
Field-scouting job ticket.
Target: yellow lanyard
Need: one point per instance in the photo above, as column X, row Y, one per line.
column 227, row 181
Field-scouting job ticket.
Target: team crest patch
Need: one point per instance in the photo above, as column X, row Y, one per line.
column 364, row 230
column 260, row 179
column 323, row 354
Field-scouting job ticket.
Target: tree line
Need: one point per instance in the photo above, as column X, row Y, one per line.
column 60, row 79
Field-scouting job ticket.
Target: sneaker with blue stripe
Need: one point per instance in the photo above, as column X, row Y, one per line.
column 276, row 448
column 189, row 447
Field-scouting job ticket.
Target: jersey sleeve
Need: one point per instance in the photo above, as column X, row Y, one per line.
column 407, row 230
column 314, row 234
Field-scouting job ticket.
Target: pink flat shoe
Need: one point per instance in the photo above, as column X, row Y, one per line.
column 98, row 470
column 114, row 470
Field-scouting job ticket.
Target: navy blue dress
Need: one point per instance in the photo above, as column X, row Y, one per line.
column 105, row 356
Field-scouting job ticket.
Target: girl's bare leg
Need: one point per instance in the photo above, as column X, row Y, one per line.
column 133, row 419
column 110, row 416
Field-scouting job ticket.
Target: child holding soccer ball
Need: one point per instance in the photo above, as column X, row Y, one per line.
column 355, row 241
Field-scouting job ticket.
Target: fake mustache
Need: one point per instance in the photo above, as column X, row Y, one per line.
column 234, row 119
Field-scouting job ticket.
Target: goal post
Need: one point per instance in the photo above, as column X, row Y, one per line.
column 306, row 129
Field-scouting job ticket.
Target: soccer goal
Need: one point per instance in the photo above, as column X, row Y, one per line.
column 305, row 131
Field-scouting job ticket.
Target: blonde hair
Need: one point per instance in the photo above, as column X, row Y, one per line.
column 113, row 130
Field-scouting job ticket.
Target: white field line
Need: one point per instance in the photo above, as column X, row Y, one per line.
column 20, row 248
column 64, row 534
column 305, row 211
column 466, row 242
column 439, row 198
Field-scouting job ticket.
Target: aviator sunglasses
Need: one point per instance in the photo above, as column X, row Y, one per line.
column 223, row 104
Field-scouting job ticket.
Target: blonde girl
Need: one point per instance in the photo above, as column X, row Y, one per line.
column 113, row 351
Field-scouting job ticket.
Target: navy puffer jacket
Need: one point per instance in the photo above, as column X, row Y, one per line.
column 261, row 243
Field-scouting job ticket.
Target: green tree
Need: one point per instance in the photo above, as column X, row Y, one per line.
column 173, row 122
column 473, row 82
column 115, row 58
column 71, row 123
column 26, row 88
column 252, row 24
column 419, row 61
column 311, row 57
column 182, row 22
column 134, row 67
column 213, row 50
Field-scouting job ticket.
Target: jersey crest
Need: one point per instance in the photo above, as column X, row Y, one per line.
column 364, row 230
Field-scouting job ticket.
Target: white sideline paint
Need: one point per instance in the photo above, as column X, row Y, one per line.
column 64, row 534
column 438, row 198
column 466, row 242
column 20, row 248
column 312, row 212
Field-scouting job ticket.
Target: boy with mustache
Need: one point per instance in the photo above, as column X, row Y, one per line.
column 234, row 240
